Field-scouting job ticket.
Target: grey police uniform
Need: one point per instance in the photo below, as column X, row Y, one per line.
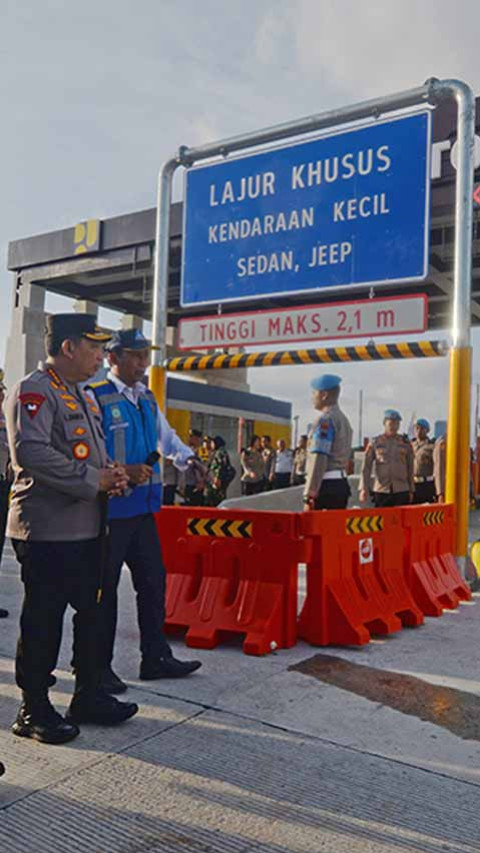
column 423, row 470
column 56, row 446
column 328, row 453
column 393, row 481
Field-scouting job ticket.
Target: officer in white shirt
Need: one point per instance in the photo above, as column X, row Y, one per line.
column 283, row 466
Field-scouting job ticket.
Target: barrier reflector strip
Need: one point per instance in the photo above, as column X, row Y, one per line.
column 371, row 352
column 221, row 528
column 431, row 518
column 364, row 524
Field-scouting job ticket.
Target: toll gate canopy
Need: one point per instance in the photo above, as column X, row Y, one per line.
column 110, row 262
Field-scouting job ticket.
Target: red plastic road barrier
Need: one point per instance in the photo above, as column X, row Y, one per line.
column 355, row 580
column 430, row 567
column 231, row 572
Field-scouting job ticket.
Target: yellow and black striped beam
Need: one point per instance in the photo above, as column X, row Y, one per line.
column 371, row 352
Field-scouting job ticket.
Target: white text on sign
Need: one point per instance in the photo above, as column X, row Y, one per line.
column 369, row 317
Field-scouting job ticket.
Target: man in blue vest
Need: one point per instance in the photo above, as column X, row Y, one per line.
column 134, row 428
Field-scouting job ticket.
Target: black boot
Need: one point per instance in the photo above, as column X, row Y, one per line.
column 111, row 683
column 100, row 708
column 167, row 667
column 39, row 720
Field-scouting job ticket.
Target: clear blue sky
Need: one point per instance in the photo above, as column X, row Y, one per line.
column 95, row 95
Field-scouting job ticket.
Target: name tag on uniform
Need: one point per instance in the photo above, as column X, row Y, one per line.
column 121, row 425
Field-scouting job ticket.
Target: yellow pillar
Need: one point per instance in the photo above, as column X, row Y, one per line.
column 158, row 384
column 458, row 443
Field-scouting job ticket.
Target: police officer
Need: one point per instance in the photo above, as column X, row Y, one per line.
column 195, row 475
column 134, row 427
column 329, row 448
column 60, row 474
column 393, row 457
column 423, row 475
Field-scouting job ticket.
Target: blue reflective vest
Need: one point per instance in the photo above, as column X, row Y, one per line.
column 130, row 436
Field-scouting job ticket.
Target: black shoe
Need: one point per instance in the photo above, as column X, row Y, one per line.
column 167, row 667
column 51, row 680
column 41, row 722
column 111, row 683
column 100, row 708
column 3, row 613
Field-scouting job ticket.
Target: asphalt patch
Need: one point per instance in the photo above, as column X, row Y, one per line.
column 455, row 710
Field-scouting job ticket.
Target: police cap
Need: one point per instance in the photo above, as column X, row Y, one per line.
column 391, row 415
column 128, row 339
column 61, row 327
column 422, row 422
column 326, row 382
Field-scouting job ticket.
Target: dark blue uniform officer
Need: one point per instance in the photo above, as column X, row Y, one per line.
column 134, row 428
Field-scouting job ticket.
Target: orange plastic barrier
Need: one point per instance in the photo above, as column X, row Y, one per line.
column 430, row 568
column 231, row 572
column 355, row 580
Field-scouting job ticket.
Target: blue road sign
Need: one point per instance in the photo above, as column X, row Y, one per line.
column 334, row 213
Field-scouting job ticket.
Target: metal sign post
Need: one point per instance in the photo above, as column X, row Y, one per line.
column 432, row 92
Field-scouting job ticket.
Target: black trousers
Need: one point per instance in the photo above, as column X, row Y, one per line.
column 251, row 488
column 381, row 499
column 333, row 494
column 55, row 574
column 298, row 479
column 424, row 493
column 281, row 481
column 193, row 496
column 135, row 541
column 169, row 495
column 4, row 492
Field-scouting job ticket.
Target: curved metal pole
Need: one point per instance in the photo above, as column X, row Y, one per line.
column 463, row 95
column 160, row 281
column 433, row 91
column 458, row 439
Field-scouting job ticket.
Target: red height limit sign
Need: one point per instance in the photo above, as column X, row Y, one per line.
column 311, row 323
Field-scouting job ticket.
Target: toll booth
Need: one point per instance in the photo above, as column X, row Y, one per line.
column 109, row 263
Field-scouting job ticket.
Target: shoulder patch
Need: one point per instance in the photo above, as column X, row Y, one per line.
column 32, row 402
column 97, row 384
column 322, row 436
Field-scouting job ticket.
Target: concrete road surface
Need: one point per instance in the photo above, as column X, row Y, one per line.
column 336, row 750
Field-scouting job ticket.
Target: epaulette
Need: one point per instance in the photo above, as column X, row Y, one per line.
column 98, row 384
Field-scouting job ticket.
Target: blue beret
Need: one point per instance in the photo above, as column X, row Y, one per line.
column 422, row 422
column 392, row 415
column 326, row 382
